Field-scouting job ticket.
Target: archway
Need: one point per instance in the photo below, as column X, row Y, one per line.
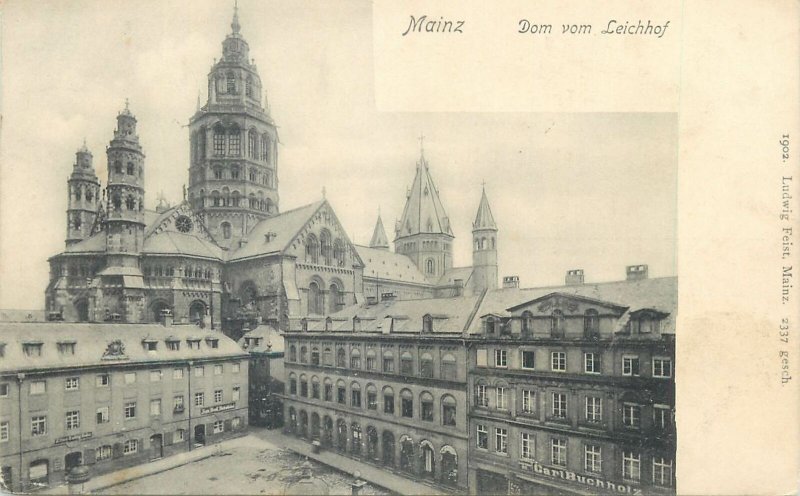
column 449, row 466
column 341, row 435
column 303, row 423
column 327, row 434
column 315, row 426
column 406, row 454
column 82, row 310
column 355, row 446
column 39, row 473
column 427, row 460
column 72, row 460
column 292, row 421
column 197, row 312
column 156, row 446
column 200, row 434
column 372, row 443
column 388, row 448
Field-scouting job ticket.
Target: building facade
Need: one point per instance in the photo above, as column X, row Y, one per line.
column 556, row 390
column 266, row 375
column 112, row 396
column 228, row 249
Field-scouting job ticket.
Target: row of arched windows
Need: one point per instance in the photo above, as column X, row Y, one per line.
column 189, row 271
column 484, row 243
column 131, row 202
column 77, row 192
column 129, row 169
column 221, row 172
column 354, row 397
column 420, row 459
column 316, row 298
column 325, row 250
column 384, row 362
column 228, row 84
column 226, row 198
column 227, row 141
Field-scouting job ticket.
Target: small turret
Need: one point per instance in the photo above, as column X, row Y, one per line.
column 484, row 247
column 379, row 239
column 83, row 189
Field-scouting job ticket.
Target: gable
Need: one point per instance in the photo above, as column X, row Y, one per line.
column 569, row 304
column 169, row 221
column 323, row 222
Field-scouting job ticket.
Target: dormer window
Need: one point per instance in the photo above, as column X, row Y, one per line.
column 212, row 342
column 527, row 323
column 490, row 325
column 356, row 324
column 194, row 343
column 150, row 344
column 427, row 323
column 328, row 324
column 173, row 344
column 32, row 348
column 66, row 347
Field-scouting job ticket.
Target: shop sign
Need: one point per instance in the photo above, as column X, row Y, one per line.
column 217, row 408
column 74, row 437
column 574, row 478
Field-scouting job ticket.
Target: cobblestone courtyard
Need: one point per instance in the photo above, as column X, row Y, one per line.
column 259, row 468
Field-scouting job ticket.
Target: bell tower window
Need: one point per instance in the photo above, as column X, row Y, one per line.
column 118, row 167
column 130, row 168
column 230, row 83
column 249, row 86
column 234, row 142
column 219, row 141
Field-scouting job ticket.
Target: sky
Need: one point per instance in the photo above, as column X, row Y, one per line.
column 591, row 191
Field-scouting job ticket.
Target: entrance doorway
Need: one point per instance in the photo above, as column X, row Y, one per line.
column 200, row 435
column 156, row 446
column 72, row 460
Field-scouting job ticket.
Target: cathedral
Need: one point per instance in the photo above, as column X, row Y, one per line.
column 227, row 256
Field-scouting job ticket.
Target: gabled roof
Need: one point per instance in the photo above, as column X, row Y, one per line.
column 379, row 239
column 177, row 243
column 385, row 264
column 449, row 277
column 424, row 212
column 595, row 301
column 484, row 218
column 92, row 343
column 284, row 226
column 94, row 244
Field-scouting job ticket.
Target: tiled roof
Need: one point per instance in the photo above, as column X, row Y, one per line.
column 269, row 335
column 386, row 264
column 285, row 227
column 91, row 342
column 93, row 244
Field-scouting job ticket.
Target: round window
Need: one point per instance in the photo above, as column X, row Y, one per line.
column 183, row 223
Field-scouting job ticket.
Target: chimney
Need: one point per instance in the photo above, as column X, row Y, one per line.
column 573, row 277
column 510, row 282
column 166, row 317
column 459, row 286
column 636, row 272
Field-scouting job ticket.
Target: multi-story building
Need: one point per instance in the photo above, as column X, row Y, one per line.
column 572, row 388
column 385, row 384
column 566, row 390
column 266, row 349
column 110, row 396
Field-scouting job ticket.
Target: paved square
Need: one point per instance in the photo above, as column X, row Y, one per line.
column 259, row 467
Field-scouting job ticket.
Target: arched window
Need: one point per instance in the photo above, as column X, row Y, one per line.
column 406, row 363
column 235, row 172
column 430, row 266
column 327, row 357
column 226, row 196
column 406, row 403
column 428, row 460
column 490, row 323
column 355, row 395
column 230, row 83
column 591, row 323
column 427, row 323
column 338, row 252
column 292, row 384
column 314, row 356
column 388, row 362
column 355, row 358
column 426, row 365
column 328, row 386
column 265, row 148
column 77, row 192
column 248, row 88
column 448, row 410
column 303, row 386
column 315, row 383
column 355, row 429
column 201, row 143
column 341, row 358
column 448, row 367
column 303, row 354
column 314, row 299
column 89, row 194
column 253, row 175
column 426, row 406
column 336, row 298
column 234, row 141
column 372, row 360
column 388, row 400
column 557, row 323
column 292, row 353
column 252, row 144
column 130, row 202
column 325, row 246
column 118, row 167
column 219, row 140
column 131, row 169
column 527, row 322
column 312, row 249
column 341, row 392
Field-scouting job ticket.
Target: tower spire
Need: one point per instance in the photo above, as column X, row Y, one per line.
column 379, row 239
column 235, row 23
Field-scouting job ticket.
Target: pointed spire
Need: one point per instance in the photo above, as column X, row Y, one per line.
column 484, row 218
column 235, row 26
column 424, row 212
column 379, row 239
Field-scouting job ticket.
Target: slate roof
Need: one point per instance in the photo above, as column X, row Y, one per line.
column 424, row 212
column 484, row 218
column 379, row 239
column 285, row 226
column 91, row 341
column 386, row 264
column 177, row 243
column 449, row 277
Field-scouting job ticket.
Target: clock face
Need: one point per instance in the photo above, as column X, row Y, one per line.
column 183, row 223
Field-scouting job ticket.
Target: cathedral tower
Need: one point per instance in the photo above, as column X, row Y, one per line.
column 233, row 172
column 423, row 232
column 125, row 193
column 84, row 197
column 484, row 248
